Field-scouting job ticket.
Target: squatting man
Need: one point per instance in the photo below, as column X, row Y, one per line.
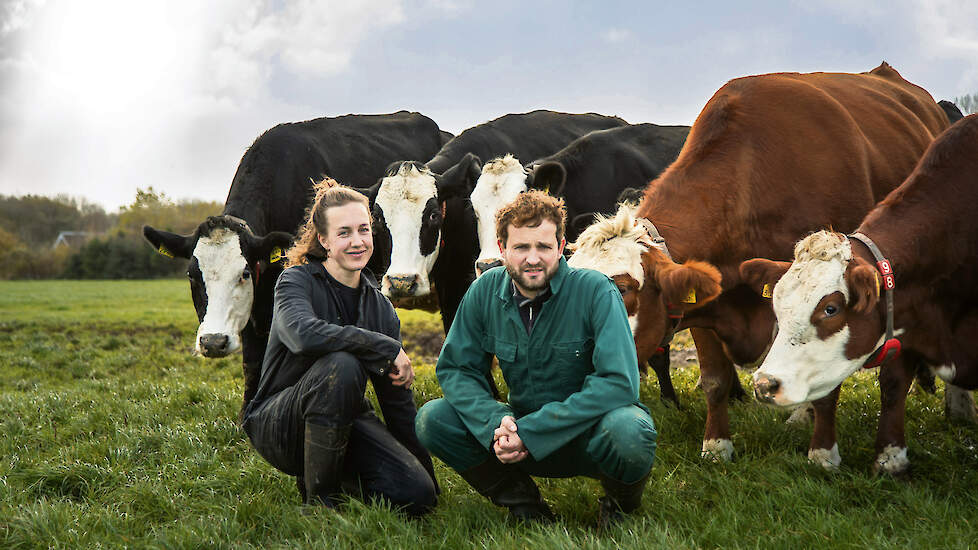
column 564, row 346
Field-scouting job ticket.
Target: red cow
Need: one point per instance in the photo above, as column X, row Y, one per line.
column 769, row 159
column 831, row 316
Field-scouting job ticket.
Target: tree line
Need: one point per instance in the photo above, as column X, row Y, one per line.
column 114, row 248
column 967, row 103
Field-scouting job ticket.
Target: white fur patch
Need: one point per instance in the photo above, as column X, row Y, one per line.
column 717, row 450
column 613, row 245
column 633, row 323
column 807, row 367
column 893, row 460
column 959, row 404
column 402, row 198
column 502, row 180
column 229, row 297
column 945, row 372
column 830, row 459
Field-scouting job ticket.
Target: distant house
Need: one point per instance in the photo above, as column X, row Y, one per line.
column 72, row 239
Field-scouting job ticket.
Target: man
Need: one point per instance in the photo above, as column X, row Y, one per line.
column 565, row 348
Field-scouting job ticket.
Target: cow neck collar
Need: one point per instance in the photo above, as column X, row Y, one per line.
column 674, row 313
column 891, row 346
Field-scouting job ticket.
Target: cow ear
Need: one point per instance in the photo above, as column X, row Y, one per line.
column 581, row 222
column 689, row 285
column 761, row 275
column 864, row 286
column 370, row 192
column 459, row 180
column 549, row 177
column 170, row 244
column 271, row 247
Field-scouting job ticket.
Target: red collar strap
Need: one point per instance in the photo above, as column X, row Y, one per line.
column 891, row 346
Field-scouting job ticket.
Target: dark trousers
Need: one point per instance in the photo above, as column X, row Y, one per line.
column 385, row 462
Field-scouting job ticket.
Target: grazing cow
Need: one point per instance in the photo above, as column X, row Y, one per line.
column 839, row 306
column 424, row 218
column 236, row 258
column 769, row 159
column 588, row 174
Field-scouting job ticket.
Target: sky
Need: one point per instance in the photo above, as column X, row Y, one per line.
column 99, row 98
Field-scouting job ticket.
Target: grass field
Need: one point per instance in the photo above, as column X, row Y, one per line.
column 112, row 435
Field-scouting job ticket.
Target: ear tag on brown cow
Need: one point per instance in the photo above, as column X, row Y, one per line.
column 164, row 251
column 276, row 255
column 766, row 291
column 690, row 297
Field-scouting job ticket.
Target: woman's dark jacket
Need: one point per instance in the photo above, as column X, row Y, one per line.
column 306, row 325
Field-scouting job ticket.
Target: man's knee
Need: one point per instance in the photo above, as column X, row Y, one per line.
column 623, row 444
column 434, row 419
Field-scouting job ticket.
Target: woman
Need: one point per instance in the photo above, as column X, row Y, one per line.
column 332, row 330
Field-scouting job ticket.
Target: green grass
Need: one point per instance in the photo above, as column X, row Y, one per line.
column 113, row 436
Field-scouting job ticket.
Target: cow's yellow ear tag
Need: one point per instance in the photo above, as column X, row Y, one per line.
column 766, row 291
column 690, row 297
column 164, row 251
column 276, row 255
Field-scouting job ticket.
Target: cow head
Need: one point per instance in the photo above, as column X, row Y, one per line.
column 652, row 285
column 825, row 302
column 501, row 181
column 227, row 262
column 408, row 206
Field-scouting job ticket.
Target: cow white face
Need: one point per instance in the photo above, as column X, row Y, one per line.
column 501, row 181
column 809, row 358
column 408, row 201
column 221, row 285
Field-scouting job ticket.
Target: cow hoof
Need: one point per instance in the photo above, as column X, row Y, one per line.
column 826, row 458
column 717, row 450
column 959, row 405
column 801, row 416
column 892, row 461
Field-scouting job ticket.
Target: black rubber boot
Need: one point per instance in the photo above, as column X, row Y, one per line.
column 323, row 452
column 619, row 499
column 506, row 485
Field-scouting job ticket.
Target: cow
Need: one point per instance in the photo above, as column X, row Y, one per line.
column 589, row 173
column 769, row 159
column 841, row 305
column 425, row 219
column 236, row 258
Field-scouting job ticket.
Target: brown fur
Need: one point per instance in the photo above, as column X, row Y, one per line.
column 769, row 159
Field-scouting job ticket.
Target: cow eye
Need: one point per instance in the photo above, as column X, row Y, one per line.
column 623, row 289
column 830, row 310
column 433, row 216
column 245, row 275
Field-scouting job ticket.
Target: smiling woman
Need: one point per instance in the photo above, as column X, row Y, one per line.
column 332, row 330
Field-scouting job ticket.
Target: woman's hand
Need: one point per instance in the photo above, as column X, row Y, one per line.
column 403, row 373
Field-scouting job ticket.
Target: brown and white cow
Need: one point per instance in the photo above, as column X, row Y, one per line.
column 769, row 159
column 831, row 312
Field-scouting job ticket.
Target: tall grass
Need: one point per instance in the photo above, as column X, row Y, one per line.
column 113, row 435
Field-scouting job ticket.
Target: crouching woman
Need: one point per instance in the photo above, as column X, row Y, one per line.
column 332, row 330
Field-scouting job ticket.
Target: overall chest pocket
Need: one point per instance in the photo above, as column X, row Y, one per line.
column 572, row 362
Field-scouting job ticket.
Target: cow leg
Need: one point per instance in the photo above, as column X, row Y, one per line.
column 252, row 353
column 716, row 376
column 891, row 447
column 660, row 365
column 959, row 404
column 824, row 447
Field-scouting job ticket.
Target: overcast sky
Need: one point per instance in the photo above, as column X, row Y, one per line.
column 99, row 98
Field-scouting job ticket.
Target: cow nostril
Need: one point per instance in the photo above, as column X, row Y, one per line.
column 483, row 266
column 766, row 387
column 214, row 343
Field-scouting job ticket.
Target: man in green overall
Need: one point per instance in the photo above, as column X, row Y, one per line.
column 565, row 348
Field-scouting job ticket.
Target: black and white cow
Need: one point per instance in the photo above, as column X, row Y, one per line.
column 589, row 174
column 235, row 258
column 426, row 217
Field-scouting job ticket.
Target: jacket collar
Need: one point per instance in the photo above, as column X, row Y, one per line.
column 319, row 270
column 505, row 289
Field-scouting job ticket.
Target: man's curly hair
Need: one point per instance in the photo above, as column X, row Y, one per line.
column 529, row 210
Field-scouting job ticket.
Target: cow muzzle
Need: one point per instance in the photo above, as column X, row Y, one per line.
column 402, row 285
column 766, row 387
column 214, row 345
column 482, row 266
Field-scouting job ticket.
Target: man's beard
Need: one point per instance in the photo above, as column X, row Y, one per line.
column 524, row 284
